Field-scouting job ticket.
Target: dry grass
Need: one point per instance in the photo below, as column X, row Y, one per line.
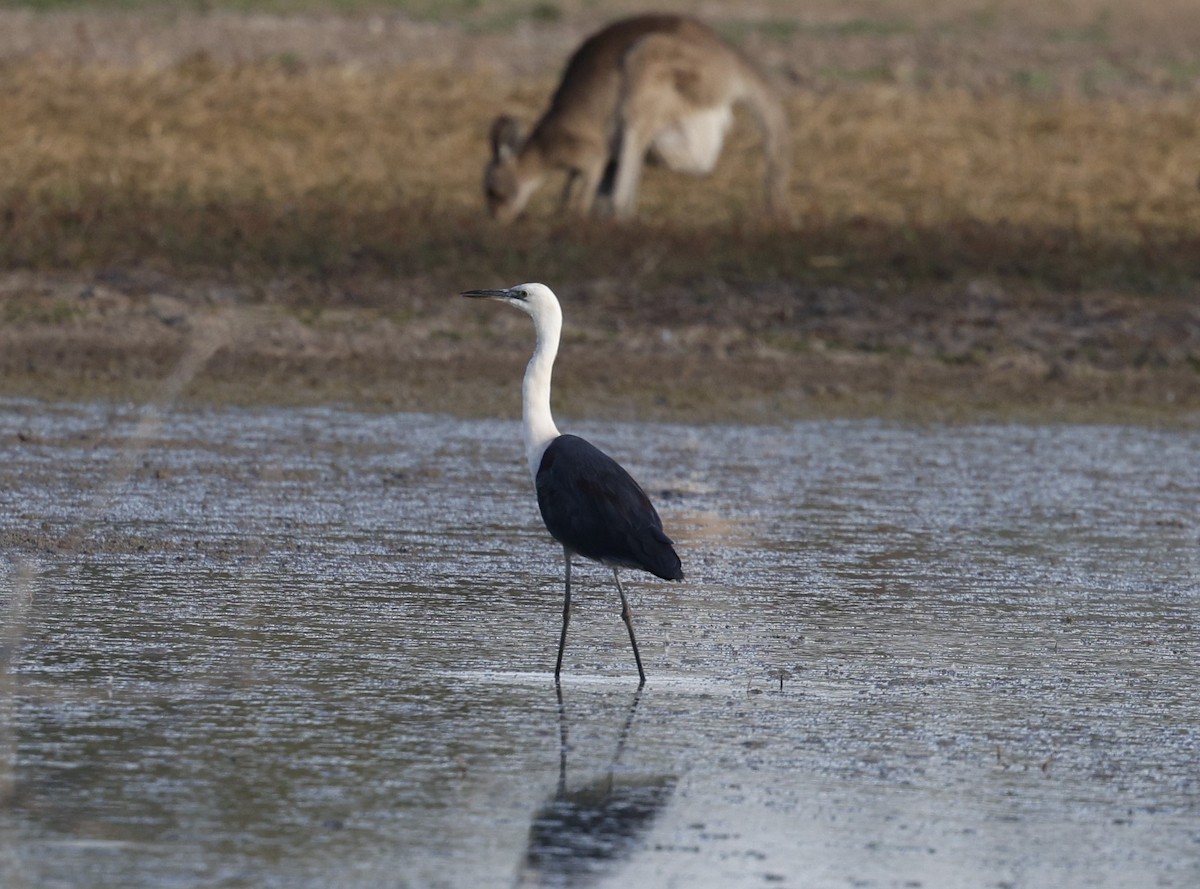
column 933, row 141
column 331, row 167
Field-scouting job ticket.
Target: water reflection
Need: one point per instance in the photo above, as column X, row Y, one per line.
column 581, row 834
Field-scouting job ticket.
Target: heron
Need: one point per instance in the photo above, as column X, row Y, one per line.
column 589, row 503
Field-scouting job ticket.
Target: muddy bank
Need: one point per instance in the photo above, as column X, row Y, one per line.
column 754, row 353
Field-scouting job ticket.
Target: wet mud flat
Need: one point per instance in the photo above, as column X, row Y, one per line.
column 312, row 646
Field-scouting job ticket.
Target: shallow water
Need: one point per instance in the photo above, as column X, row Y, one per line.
column 311, row 648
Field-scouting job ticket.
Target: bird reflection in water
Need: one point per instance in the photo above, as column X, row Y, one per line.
column 582, row 833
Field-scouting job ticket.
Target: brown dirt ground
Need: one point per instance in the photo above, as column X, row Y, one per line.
column 773, row 352
column 971, row 348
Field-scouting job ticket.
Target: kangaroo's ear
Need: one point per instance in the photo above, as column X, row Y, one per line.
column 506, row 137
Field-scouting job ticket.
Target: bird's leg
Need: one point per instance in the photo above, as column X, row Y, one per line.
column 627, row 616
column 562, row 640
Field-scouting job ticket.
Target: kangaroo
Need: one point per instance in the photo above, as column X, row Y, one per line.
column 657, row 87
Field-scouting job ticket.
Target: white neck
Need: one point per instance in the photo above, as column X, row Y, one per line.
column 535, row 390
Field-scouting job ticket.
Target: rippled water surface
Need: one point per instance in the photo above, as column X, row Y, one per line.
column 312, row 648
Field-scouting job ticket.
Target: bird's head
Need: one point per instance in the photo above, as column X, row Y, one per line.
column 536, row 300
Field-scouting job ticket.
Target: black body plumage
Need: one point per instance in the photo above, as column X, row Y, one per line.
column 593, row 507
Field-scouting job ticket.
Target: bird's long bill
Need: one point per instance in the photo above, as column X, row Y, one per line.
column 488, row 294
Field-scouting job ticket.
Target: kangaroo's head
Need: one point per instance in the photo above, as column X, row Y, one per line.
column 510, row 177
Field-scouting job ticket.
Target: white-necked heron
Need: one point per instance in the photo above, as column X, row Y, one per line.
column 589, row 503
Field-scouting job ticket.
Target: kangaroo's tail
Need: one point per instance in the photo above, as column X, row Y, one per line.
column 767, row 108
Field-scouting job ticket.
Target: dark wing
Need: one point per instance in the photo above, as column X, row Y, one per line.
column 595, row 508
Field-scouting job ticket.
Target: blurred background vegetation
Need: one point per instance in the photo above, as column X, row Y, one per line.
column 941, row 147
column 948, row 154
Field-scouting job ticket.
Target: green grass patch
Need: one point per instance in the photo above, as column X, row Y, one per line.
column 783, row 29
column 1097, row 31
column 1033, row 80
